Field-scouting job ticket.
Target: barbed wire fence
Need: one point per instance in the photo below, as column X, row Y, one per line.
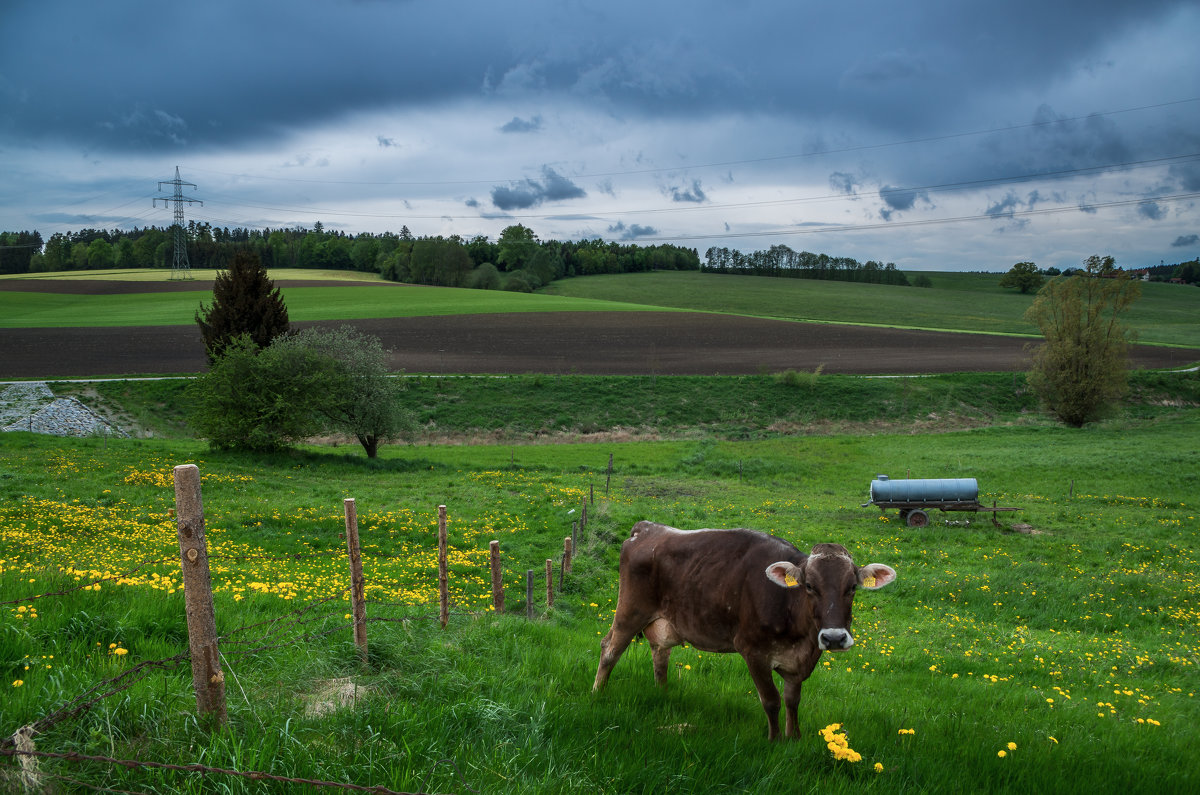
column 207, row 649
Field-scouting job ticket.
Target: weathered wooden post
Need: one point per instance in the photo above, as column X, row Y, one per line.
column 497, row 578
column 208, row 680
column 529, row 594
column 568, row 551
column 583, row 517
column 358, row 605
column 443, row 574
column 549, row 582
column 608, row 476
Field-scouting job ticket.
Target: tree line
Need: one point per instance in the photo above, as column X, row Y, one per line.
column 516, row 261
column 780, row 260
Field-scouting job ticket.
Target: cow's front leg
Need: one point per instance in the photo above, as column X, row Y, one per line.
column 791, row 704
column 611, row 648
column 768, row 694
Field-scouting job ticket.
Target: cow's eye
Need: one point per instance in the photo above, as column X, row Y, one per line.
column 810, row 588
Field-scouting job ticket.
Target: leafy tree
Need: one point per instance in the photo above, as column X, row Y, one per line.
column 516, row 247
column 1081, row 367
column 245, row 301
column 1024, row 276
column 258, row 400
column 355, row 391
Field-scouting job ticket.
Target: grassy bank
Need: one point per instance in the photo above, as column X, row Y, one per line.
column 1076, row 641
column 547, row 407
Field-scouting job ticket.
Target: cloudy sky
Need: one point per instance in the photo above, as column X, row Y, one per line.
column 936, row 134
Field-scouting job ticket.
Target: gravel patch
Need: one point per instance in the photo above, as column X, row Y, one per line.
column 33, row 407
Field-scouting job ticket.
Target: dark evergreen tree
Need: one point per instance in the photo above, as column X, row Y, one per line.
column 245, row 302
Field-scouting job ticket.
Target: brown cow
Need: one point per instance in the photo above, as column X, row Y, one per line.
column 737, row 591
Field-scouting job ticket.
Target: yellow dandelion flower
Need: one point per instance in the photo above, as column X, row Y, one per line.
column 18, row 682
column 1002, row 754
column 1012, row 746
column 878, row 767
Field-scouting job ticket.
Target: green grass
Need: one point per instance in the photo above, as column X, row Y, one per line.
column 974, row 302
column 983, row 628
column 49, row 310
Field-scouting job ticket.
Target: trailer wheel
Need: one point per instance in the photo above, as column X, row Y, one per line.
column 917, row 518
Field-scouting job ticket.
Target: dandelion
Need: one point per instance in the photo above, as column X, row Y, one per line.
column 18, row 682
column 1002, row 753
column 907, row 731
column 1012, row 746
column 878, row 767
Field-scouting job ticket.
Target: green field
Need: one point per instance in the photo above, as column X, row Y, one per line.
column 1077, row 641
column 972, row 302
column 1166, row 313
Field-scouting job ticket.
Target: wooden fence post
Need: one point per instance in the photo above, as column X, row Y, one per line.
column 497, row 578
column 608, row 476
column 358, row 606
column 568, row 551
column 529, row 594
column 443, row 574
column 208, row 680
column 549, row 582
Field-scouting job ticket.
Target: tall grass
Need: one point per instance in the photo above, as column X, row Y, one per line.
column 1077, row 642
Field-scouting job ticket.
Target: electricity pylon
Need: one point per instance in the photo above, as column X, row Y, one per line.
column 180, row 267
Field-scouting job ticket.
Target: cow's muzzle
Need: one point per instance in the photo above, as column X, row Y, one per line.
column 834, row 640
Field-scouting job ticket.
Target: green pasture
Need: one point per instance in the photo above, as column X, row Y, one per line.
column 1166, row 314
column 49, row 310
column 1075, row 637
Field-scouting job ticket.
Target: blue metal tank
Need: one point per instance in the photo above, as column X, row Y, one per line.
column 885, row 490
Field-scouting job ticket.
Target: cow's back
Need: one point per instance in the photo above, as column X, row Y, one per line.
column 709, row 585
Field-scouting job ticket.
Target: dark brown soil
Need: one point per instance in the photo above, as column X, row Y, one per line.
column 662, row 343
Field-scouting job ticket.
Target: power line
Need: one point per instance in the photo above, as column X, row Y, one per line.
column 180, row 267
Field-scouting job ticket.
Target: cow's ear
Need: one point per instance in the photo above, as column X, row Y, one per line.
column 785, row 575
column 874, row 576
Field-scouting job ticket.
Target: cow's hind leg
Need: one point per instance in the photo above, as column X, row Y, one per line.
column 662, row 638
column 611, row 649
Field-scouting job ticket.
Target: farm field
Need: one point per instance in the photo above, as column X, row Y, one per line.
column 122, row 327
column 972, row 302
column 1071, row 648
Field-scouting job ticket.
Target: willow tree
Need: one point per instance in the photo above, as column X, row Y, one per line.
column 1082, row 367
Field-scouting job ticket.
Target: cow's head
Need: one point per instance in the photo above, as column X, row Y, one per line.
column 831, row 578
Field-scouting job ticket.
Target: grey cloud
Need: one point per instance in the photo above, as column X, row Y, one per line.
column 899, row 200
column 843, row 183
column 1186, row 241
column 531, row 193
column 631, row 232
column 386, row 143
column 519, row 125
column 1152, row 211
column 887, row 67
column 687, row 193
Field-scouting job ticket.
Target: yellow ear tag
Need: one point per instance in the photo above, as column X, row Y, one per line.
column 791, row 581
column 868, row 582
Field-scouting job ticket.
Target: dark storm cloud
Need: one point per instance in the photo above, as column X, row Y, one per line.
column 631, row 232
column 843, row 183
column 531, row 193
column 1186, row 241
column 104, row 74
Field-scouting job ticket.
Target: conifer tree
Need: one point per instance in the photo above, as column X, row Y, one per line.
column 245, row 302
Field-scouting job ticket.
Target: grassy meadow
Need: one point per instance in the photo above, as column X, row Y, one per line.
column 1076, row 642
column 1057, row 653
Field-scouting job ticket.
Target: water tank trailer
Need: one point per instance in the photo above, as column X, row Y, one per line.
column 914, row 497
